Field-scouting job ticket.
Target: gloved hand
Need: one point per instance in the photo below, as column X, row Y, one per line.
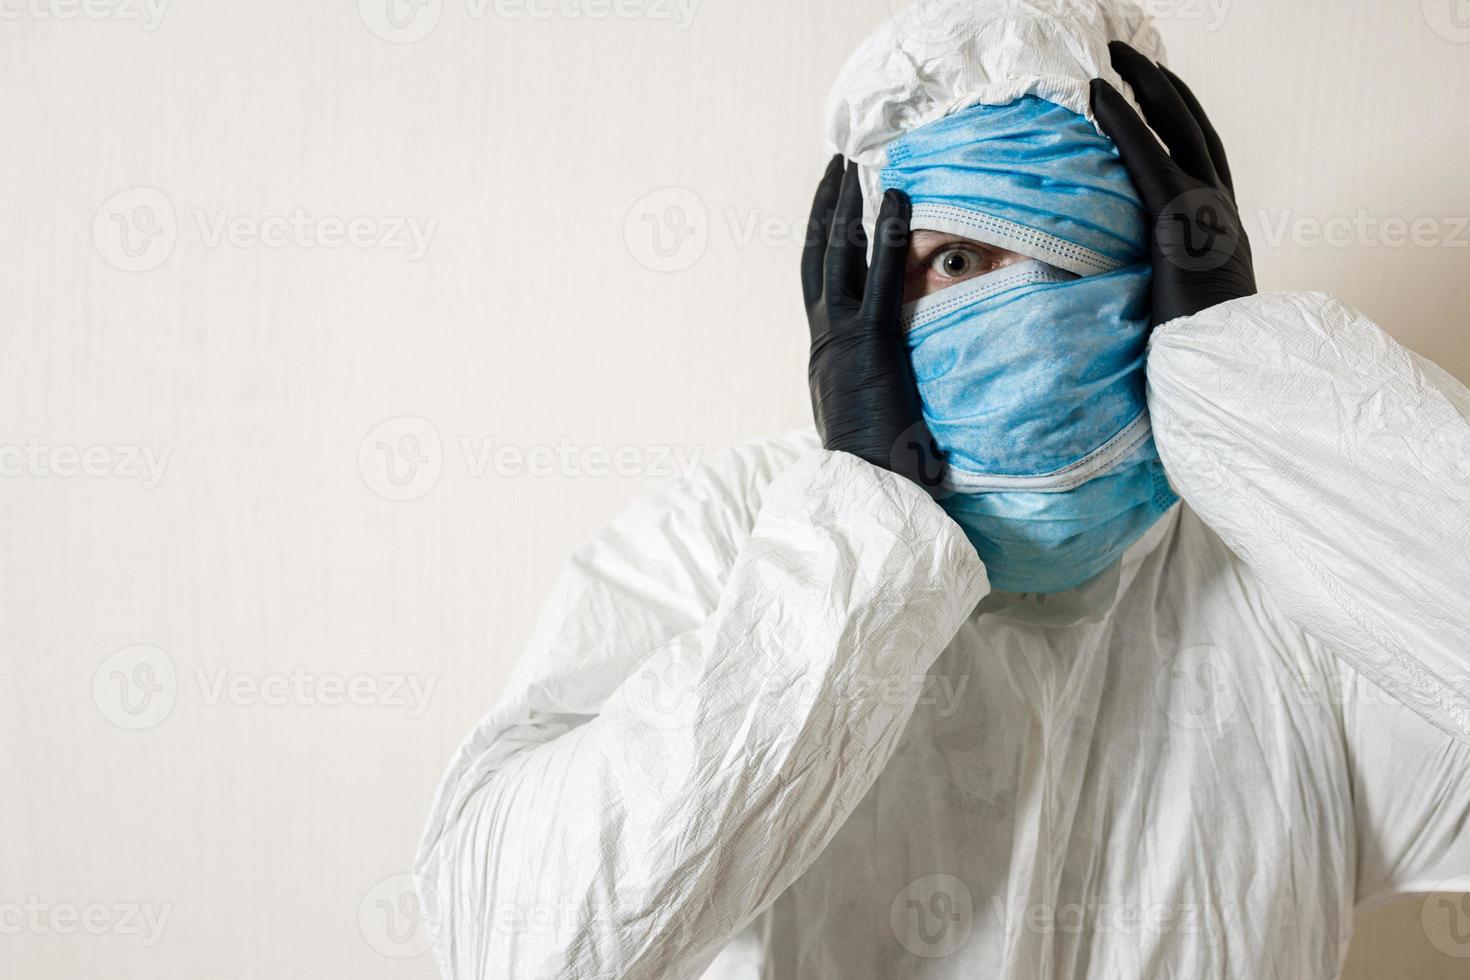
column 863, row 391
column 1201, row 255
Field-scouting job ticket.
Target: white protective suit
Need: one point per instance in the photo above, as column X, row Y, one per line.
column 773, row 725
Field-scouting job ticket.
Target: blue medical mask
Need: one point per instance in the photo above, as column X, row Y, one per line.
column 1032, row 377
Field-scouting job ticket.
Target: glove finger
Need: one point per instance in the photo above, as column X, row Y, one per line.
column 1165, row 112
column 847, row 246
column 883, row 299
column 1212, row 138
column 1153, row 173
column 819, row 226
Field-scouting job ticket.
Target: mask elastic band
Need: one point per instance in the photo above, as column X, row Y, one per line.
column 1031, row 243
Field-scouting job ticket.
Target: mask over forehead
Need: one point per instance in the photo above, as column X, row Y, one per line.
column 1031, row 376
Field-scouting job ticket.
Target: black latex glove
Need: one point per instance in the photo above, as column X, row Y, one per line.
column 863, row 391
column 1201, row 256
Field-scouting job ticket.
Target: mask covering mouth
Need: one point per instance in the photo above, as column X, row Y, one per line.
column 1032, row 376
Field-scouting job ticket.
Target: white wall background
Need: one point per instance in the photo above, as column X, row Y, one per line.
column 266, row 559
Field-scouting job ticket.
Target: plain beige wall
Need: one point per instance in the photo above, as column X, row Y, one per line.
column 210, row 713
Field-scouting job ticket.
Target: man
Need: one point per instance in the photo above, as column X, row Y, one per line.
column 963, row 690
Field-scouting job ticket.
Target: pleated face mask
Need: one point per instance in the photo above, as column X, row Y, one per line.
column 1032, row 376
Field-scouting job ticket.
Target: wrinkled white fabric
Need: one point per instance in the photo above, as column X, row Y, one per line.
column 937, row 56
column 1357, row 417
column 771, row 726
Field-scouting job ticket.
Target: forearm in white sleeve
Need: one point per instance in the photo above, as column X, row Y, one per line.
column 1336, row 464
column 634, row 845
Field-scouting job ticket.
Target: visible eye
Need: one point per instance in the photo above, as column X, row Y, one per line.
column 958, row 263
column 937, row 261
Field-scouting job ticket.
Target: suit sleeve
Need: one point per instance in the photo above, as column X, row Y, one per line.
column 709, row 694
column 1336, row 464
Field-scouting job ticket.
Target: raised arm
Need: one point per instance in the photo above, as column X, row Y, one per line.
column 1333, row 461
column 718, row 679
